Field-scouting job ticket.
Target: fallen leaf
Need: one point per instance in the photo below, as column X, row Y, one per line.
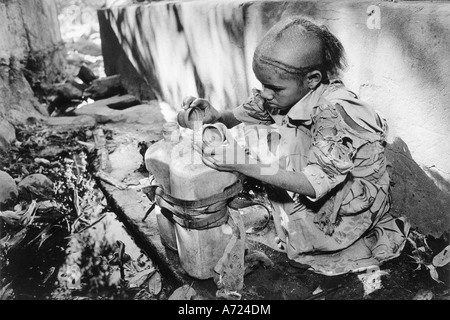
column 138, row 279
column 445, row 295
column 49, row 274
column 46, row 206
column 42, row 161
column 372, row 280
column 154, row 284
column 259, row 256
column 433, row 273
column 44, row 233
column 44, row 237
column 114, row 278
column 91, row 225
column 228, row 295
column 424, row 294
column 28, row 217
column 6, row 292
column 442, row 258
column 17, row 239
column 4, row 241
column 185, row 292
column 10, row 217
column 317, row 291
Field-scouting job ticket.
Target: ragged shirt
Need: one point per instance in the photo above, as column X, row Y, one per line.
column 328, row 135
column 337, row 141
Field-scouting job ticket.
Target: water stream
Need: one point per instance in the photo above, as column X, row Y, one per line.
column 80, row 266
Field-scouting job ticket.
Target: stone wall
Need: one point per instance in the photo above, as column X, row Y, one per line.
column 398, row 61
column 31, row 51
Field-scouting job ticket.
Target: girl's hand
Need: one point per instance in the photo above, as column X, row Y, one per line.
column 211, row 114
column 230, row 157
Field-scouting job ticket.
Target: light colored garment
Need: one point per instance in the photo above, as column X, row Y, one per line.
column 337, row 141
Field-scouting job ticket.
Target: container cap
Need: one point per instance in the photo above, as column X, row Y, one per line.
column 214, row 135
column 171, row 131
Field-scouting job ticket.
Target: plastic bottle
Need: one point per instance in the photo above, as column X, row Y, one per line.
column 190, row 179
column 157, row 162
column 158, row 155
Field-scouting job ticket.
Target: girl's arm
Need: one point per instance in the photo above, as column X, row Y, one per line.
column 233, row 158
column 287, row 180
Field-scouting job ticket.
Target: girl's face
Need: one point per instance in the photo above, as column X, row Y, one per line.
column 279, row 93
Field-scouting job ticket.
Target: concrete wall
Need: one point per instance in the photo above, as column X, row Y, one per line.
column 397, row 53
column 30, row 40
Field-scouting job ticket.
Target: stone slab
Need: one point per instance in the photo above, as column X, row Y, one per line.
column 70, row 122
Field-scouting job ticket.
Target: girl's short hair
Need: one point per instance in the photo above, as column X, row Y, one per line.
column 333, row 59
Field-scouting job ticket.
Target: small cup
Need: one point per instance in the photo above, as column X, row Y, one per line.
column 214, row 135
column 192, row 115
column 180, row 119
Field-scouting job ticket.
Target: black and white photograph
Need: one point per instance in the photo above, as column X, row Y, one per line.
column 219, row 157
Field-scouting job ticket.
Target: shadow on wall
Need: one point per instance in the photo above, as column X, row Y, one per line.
column 118, row 63
column 414, row 194
column 184, row 60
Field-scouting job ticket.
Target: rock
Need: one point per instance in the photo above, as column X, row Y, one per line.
column 414, row 194
column 126, row 102
column 4, row 145
column 17, row 100
column 36, row 186
column 7, row 134
column 105, row 88
column 68, row 92
column 144, row 114
column 104, row 113
column 79, row 84
column 51, row 152
column 71, row 122
column 8, row 191
column 86, row 75
column 424, row 294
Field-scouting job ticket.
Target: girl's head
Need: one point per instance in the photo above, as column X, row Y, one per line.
column 294, row 57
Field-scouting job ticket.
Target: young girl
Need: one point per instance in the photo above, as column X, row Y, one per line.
column 330, row 191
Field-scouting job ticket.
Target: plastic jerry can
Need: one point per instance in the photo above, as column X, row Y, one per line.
column 158, row 155
column 200, row 250
column 190, row 179
column 157, row 162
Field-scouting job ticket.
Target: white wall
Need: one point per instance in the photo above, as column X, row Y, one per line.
column 402, row 68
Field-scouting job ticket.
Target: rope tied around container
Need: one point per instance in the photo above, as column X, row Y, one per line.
column 200, row 214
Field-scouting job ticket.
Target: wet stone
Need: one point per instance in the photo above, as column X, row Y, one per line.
column 36, row 186
column 8, row 191
column 7, row 134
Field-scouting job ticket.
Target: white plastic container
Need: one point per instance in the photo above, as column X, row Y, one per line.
column 180, row 170
column 157, row 162
column 158, row 155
